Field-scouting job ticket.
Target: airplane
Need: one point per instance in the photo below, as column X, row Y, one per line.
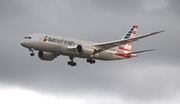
column 50, row 47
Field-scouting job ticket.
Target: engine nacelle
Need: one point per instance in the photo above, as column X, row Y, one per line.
column 85, row 49
column 46, row 56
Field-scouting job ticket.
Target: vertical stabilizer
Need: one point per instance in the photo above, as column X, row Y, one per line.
column 131, row 33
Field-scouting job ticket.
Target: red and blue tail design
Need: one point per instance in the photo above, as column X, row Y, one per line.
column 130, row 34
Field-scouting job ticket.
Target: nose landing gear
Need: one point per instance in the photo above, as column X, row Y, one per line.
column 32, row 54
column 32, row 50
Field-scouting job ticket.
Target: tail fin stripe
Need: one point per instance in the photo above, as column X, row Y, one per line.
column 134, row 32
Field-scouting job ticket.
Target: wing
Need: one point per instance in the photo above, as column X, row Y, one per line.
column 99, row 47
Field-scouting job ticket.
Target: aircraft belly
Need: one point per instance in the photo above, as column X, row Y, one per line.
column 106, row 56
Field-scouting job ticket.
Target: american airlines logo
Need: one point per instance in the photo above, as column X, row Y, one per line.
column 59, row 41
column 45, row 39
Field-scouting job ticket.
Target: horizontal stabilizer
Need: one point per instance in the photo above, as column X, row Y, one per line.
column 140, row 51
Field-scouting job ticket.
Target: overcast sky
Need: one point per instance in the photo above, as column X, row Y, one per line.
column 151, row 78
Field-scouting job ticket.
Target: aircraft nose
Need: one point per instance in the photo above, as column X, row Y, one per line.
column 23, row 43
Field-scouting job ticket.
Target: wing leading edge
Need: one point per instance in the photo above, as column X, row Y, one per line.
column 99, row 47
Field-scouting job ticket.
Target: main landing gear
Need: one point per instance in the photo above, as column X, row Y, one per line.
column 72, row 63
column 91, row 61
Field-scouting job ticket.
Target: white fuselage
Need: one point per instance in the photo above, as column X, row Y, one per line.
column 64, row 46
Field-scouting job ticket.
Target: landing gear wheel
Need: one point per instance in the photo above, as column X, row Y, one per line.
column 91, row 61
column 74, row 64
column 88, row 60
column 69, row 62
column 32, row 54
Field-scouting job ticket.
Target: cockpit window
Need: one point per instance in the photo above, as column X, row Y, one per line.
column 27, row 37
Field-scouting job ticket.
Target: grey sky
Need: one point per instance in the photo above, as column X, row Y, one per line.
column 153, row 76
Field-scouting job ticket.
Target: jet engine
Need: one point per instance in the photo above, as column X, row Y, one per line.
column 46, row 56
column 85, row 49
